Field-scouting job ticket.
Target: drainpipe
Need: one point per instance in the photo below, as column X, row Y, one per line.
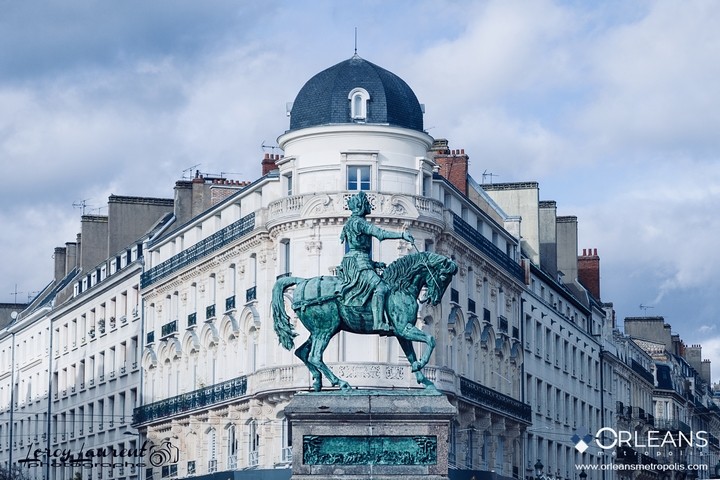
column 12, row 399
column 602, row 391
column 50, row 399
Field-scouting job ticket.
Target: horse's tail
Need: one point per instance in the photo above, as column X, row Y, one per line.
column 281, row 320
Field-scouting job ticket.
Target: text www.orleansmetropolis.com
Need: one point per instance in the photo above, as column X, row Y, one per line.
column 658, row 467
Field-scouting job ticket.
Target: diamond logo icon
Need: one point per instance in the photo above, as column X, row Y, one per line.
column 582, row 439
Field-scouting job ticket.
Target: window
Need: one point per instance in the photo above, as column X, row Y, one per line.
column 358, row 98
column 253, row 443
column 212, row 450
column 288, row 184
column 284, row 257
column 232, row 448
column 358, row 177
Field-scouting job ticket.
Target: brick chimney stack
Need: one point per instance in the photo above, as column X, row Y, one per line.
column 453, row 164
column 589, row 271
column 268, row 162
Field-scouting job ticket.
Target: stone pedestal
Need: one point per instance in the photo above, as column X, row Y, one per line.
column 370, row 434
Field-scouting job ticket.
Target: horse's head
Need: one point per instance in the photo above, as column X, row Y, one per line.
column 443, row 270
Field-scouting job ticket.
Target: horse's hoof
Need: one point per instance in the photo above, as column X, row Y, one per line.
column 344, row 385
column 417, row 366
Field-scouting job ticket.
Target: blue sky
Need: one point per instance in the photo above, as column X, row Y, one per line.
column 612, row 106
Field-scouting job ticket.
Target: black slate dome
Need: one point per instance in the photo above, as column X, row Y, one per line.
column 324, row 100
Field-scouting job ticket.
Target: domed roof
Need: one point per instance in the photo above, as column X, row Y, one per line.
column 325, row 98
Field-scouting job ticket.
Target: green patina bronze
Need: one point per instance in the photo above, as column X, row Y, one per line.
column 370, row 450
column 362, row 300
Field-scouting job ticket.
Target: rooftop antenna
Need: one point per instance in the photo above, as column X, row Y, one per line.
column 82, row 204
column 188, row 172
column 645, row 308
column 486, row 174
column 15, row 293
column 266, row 147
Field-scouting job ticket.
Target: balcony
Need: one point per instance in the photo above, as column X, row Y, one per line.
column 232, row 462
column 251, row 294
column 212, row 466
column 200, row 250
column 210, row 312
column 454, row 296
column 486, row 315
column 230, row 303
column 477, row 240
column 663, row 424
column 169, row 328
column 496, row 401
column 201, row 398
column 286, row 455
column 192, row 320
column 150, row 338
column 642, row 371
column 471, row 305
column 502, row 324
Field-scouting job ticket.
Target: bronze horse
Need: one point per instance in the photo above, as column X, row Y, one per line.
column 316, row 301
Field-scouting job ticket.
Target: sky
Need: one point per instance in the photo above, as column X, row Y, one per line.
column 613, row 107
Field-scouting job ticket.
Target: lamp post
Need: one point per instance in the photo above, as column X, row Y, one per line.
column 583, row 474
column 717, row 470
column 539, row 470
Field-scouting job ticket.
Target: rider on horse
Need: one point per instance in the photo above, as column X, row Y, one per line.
column 360, row 281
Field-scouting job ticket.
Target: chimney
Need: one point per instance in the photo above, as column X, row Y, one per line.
column 706, row 371
column 183, row 201
column 60, row 263
column 129, row 218
column 547, row 212
column 94, row 246
column 71, row 249
column 453, row 164
column 567, row 249
column 589, row 271
column 268, row 163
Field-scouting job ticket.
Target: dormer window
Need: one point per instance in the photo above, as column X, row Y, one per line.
column 358, row 103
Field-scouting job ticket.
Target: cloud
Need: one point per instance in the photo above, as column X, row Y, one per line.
column 654, row 79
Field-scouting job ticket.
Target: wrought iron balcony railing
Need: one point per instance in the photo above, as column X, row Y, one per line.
column 497, row 401
column 502, row 324
column 477, row 240
column 643, row 372
column 251, row 294
column 200, row 250
column 230, row 303
column 169, row 328
column 190, row 401
column 210, row 312
column 192, row 319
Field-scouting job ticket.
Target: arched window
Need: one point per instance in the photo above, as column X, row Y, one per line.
column 232, row 446
column 358, row 103
column 253, row 443
column 212, row 450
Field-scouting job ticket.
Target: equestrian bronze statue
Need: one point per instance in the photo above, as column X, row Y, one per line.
column 361, row 300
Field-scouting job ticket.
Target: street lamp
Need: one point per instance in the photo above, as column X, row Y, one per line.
column 717, row 470
column 583, row 475
column 539, row 469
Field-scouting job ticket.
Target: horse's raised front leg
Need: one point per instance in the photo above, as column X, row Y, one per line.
column 407, row 347
column 414, row 334
column 302, row 352
column 319, row 344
